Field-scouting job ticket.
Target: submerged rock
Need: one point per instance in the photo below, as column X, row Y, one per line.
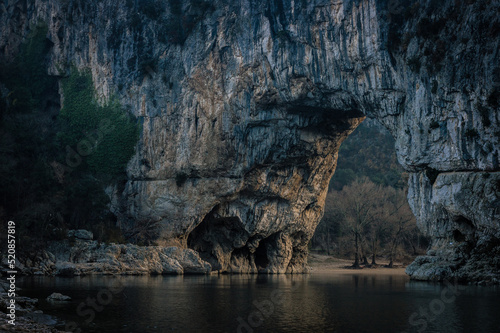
column 57, row 297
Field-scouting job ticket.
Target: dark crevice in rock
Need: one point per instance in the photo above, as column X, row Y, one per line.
column 261, row 258
column 458, row 236
column 432, row 174
column 463, row 221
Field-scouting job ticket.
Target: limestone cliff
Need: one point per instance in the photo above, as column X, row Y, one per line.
column 243, row 105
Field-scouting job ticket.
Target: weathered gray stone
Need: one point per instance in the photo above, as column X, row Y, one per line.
column 66, row 269
column 89, row 257
column 462, row 214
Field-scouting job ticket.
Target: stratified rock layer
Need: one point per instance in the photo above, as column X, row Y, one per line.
column 243, row 106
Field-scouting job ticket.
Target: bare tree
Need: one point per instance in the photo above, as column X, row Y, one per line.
column 375, row 235
column 374, row 217
column 399, row 219
column 356, row 202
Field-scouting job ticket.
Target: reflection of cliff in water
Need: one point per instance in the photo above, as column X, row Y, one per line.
column 273, row 303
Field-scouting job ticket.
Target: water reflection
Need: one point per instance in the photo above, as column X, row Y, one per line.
column 274, row 303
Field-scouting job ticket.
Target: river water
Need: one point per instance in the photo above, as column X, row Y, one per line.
column 261, row 303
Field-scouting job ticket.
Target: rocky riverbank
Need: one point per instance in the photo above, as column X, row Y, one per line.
column 448, row 260
column 81, row 255
column 27, row 317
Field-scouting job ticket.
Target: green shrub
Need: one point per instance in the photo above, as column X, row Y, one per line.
column 26, row 77
column 28, row 188
column 103, row 135
column 86, row 201
column 37, row 191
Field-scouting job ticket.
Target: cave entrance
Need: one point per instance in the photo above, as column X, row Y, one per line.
column 260, row 256
column 216, row 237
column 367, row 218
column 228, row 247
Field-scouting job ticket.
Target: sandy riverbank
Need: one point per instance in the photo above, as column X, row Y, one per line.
column 321, row 264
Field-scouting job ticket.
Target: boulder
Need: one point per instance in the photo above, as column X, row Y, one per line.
column 57, row 297
column 81, row 234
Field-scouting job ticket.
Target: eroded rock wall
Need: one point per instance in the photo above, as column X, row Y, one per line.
column 244, row 104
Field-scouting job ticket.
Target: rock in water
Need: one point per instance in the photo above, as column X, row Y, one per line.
column 57, row 297
column 243, row 112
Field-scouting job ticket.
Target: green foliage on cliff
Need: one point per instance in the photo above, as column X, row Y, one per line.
column 40, row 190
column 26, row 134
column 26, row 129
column 103, row 135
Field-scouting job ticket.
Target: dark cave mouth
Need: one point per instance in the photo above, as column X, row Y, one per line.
column 215, row 237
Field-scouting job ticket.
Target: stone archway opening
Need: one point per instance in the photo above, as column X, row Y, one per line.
column 383, row 230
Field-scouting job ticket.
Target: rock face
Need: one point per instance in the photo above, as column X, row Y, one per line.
column 243, row 106
column 86, row 257
column 462, row 214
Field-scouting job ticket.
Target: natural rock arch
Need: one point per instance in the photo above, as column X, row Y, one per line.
column 242, row 113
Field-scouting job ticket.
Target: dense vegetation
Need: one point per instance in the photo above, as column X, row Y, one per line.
column 104, row 135
column 366, row 213
column 56, row 163
column 368, row 153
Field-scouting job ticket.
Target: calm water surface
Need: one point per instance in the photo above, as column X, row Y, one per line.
column 260, row 303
